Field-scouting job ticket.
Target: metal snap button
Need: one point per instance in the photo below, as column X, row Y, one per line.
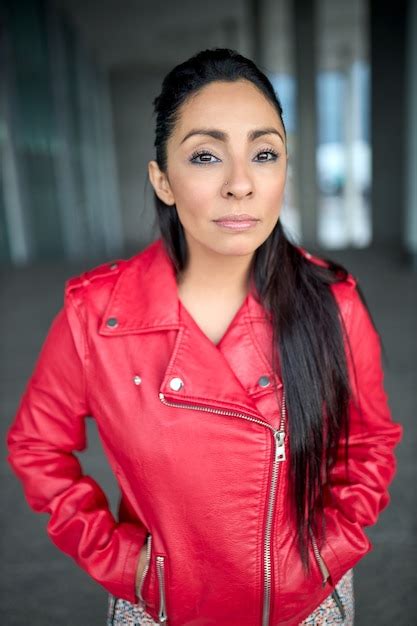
column 137, row 380
column 112, row 322
column 113, row 266
column 176, row 384
column 264, row 381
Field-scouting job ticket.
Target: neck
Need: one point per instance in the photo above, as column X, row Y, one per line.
column 218, row 273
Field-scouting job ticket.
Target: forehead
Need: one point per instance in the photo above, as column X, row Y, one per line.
column 223, row 103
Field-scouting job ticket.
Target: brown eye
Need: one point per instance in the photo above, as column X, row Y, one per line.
column 204, row 157
column 274, row 155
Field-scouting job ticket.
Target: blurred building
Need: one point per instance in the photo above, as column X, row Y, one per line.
column 77, row 80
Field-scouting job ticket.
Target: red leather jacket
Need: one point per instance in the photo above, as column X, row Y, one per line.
column 192, row 433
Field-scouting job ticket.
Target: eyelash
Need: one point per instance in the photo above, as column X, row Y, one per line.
column 204, row 152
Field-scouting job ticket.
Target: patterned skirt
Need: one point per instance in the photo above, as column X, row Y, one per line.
column 337, row 608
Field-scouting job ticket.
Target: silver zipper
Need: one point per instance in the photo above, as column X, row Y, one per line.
column 279, row 456
column 146, row 568
column 326, row 575
column 162, row 615
column 320, row 561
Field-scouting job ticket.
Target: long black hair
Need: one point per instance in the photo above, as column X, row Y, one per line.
column 308, row 334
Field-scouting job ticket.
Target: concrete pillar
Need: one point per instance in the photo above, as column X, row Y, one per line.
column 388, row 31
column 305, row 68
column 410, row 233
column 255, row 9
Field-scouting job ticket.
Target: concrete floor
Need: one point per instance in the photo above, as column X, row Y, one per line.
column 41, row 586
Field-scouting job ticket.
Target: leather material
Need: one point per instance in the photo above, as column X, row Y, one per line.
column 197, row 475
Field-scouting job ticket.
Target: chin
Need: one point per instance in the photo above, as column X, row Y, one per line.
column 237, row 247
column 234, row 244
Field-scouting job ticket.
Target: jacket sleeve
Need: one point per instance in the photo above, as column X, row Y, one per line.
column 48, row 427
column 355, row 498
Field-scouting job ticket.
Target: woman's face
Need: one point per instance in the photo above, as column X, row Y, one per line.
column 227, row 133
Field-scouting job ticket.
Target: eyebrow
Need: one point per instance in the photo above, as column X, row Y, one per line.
column 222, row 136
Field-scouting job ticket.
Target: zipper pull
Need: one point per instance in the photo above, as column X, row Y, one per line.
column 279, row 445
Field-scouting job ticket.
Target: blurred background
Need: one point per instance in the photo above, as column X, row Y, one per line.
column 77, row 80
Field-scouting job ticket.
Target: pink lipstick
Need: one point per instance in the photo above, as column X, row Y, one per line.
column 242, row 221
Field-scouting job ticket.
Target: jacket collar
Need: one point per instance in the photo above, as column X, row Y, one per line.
column 145, row 299
column 145, row 296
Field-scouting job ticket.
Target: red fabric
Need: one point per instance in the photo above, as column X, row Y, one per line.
column 196, row 479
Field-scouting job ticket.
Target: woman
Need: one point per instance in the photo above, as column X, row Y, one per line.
column 235, row 380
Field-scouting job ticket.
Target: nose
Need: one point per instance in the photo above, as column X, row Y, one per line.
column 239, row 183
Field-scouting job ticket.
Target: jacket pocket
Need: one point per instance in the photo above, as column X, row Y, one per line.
column 152, row 589
column 146, row 570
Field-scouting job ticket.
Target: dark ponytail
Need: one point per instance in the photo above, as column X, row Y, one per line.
column 307, row 331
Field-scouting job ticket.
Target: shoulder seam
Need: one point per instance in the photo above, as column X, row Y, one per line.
column 85, row 278
column 350, row 278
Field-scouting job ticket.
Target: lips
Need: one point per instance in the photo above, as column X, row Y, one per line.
column 232, row 217
column 236, row 223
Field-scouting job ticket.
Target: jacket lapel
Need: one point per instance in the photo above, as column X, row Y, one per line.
column 145, row 299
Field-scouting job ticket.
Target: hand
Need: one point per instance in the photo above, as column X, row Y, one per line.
column 140, row 567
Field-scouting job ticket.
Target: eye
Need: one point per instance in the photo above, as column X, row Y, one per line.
column 201, row 154
column 203, row 157
column 273, row 153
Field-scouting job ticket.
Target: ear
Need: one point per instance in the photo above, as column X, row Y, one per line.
column 160, row 183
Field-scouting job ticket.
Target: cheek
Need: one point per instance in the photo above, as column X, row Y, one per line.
column 194, row 196
column 273, row 194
